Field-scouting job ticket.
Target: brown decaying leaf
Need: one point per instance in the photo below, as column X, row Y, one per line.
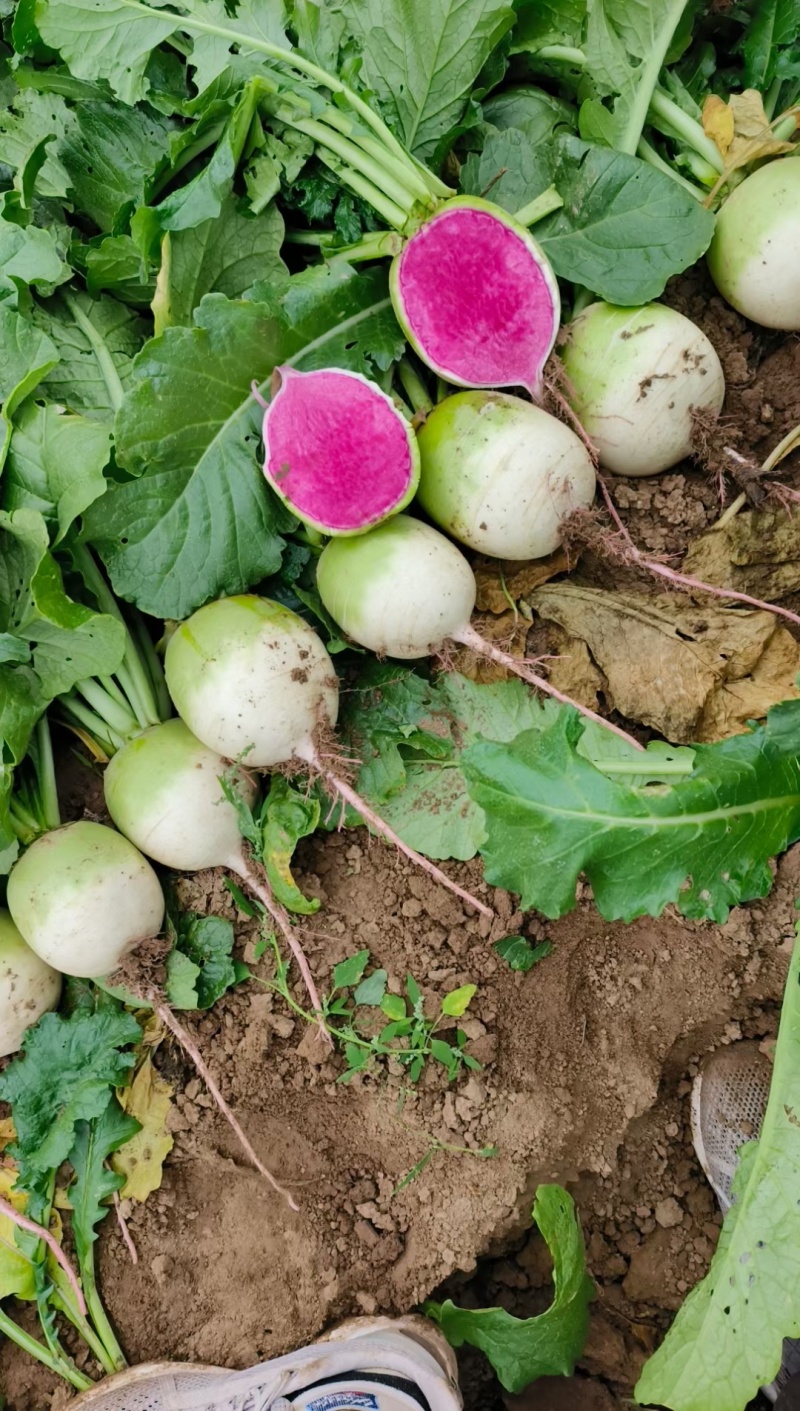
column 741, row 130
column 758, row 552
column 694, row 673
column 501, row 582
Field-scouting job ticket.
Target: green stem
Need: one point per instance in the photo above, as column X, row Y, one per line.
column 155, row 671
column 390, row 212
column 649, row 154
column 146, row 706
column 116, row 717
column 375, row 245
column 561, row 53
column 413, row 386
column 284, row 56
column 46, row 774
column 98, row 1314
column 35, row 1349
column 105, row 362
column 26, row 826
column 209, row 139
column 60, row 1301
column 626, row 766
column 98, row 728
column 582, row 300
column 408, row 172
column 357, row 159
column 539, row 207
column 784, row 129
column 771, row 97
column 686, row 128
column 647, row 78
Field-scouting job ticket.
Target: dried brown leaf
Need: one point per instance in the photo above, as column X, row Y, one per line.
column 758, row 553
column 501, row 583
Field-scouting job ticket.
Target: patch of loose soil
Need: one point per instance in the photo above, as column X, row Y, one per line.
column 587, row 1064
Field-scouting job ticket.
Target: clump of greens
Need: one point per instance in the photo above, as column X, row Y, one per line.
column 411, row 1038
column 727, row 1339
column 64, row 1108
column 524, row 1349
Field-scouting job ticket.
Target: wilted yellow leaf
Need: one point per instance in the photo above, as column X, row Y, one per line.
column 16, row 1272
column 140, row 1161
column 7, row 1133
column 718, row 122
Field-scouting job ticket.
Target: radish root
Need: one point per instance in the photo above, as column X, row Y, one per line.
column 124, row 1231
column 7, row 1209
column 190, row 1048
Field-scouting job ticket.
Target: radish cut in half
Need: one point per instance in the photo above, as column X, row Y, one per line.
column 476, row 297
column 337, row 451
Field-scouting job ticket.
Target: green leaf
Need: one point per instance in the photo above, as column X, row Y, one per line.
column 207, row 942
column 115, row 264
column 110, row 153
column 372, row 990
column 96, row 340
column 410, row 736
column 626, row 44
column 624, row 228
column 422, row 59
column 104, row 39
column 727, row 1338
column 26, row 356
column 70, row 641
column 62, row 1077
column 348, row 972
column 21, row 703
column 94, row 1182
column 774, row 26
column 55, row 464
column 394, row 1007
column 525, row 169
column 444, row 1054
column 182, row 977
column 538, row 115
column 252, row 19
column 29, row 118
column 541, row 22
column 320, row 32
column 287, row 816
column 30, row 256
column 458, row 1001
column 703, row 844
column 222, row 256
column 200, row 521
column 524, row 1349
column 201, row 198
column 519, row 954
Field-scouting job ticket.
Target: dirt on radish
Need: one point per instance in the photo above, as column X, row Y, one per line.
column 587, row 1063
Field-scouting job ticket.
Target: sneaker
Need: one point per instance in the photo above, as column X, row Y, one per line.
column 729, row 1099
column 367, row 1364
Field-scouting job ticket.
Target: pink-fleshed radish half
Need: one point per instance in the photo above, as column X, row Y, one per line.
column 477, row 298
column 252, row 680
column 403, row 590
column 337, row 451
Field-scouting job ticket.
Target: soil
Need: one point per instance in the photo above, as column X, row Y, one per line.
column 587, row 1065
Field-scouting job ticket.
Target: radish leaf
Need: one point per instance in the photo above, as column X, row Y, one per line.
column 704, row 844
column 727, row 1339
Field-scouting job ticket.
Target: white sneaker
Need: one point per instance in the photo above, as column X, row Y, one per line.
column 729, row 1099
column 367, row 1364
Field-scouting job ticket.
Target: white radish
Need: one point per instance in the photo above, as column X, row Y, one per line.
column 403, row 590
column 753, row 257
column 501, row 475
column 254, row 682
column 83, row 897
column 635, row 378
column 28, row 987
column 163, row 790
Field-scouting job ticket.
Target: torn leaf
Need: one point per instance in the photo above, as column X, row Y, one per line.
column 140, row 1160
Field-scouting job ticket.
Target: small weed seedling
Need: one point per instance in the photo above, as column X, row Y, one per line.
column 409, row 1037
column 485, row 1153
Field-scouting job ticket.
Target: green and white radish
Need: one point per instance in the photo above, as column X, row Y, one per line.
column 254, row 682
column 403, row 590
column 753, row 256
column 501, row 475
column 83, row 897
column 164, row 791
column 28, row 986
column 635, row 377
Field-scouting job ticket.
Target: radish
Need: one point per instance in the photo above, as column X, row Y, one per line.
column 252, row 680
column 635, row 376
column 163, row 790
column 403, row 590
column 338, row 452
column 476, row 297
column 28, row 987
column 753, row 256
column 500, row 475
column 83, row 897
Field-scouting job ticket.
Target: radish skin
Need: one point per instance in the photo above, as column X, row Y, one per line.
column 753, row 256
column 501, row 475
column 83, row 897
column 28, row 986
column 634, row 378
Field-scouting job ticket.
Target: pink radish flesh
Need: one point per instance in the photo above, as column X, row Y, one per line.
column 337, row 451
column 478, row 299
